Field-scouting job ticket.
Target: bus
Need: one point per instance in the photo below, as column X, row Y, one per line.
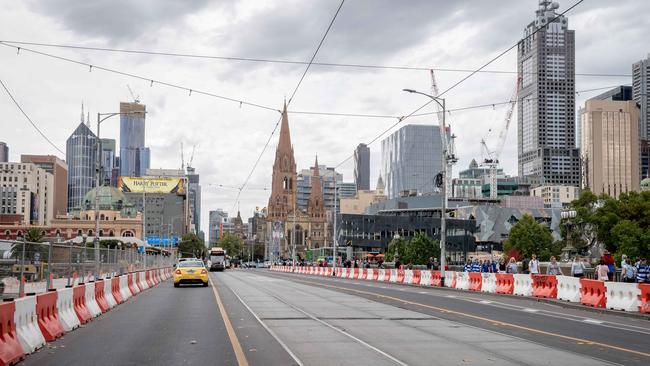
column 218, row 259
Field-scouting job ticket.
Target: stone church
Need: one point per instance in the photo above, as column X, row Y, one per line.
column 310, row 228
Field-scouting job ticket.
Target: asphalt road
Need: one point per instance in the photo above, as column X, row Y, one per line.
column 288, row 319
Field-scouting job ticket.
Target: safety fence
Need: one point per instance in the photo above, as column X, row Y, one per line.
column 30, row 321
column 27, row 267
column 629, row 297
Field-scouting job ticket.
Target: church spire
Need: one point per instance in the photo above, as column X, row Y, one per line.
column 285, row 136
column 315, row 208
column 283, row 186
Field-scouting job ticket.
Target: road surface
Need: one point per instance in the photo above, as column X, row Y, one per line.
column 270, row 318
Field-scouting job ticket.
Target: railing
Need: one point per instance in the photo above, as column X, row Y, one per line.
column 56, row 265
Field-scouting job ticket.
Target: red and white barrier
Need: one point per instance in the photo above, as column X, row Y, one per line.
column 108, row 293
column 523, row 285
column 48, row 316
column 450, row 279
column 462, row 281
column 65, row 307
column 29, row 334
column 489, row 283
column 393, row 275
column 408, row 277
column 568, row 288
column 91, row 302
column 125, row 293
column 622, row 296
column 11, row 351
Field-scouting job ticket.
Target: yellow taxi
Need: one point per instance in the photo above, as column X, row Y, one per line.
column 190, row 271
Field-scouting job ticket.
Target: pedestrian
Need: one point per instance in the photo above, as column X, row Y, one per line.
column 533, row 265
column 430, row 263
column 476, row 266
column 602, row 271
column 609, row 262
column 643, row 271
column 380, row 264
column 623, row 258
column 398, row 264
column 628, row 271
column 493, row 267
column 524, row 266
column 485, row 267
column 356, row 263
column 436, row 265
column 468, row 266
column 512, row 266
column 502, row 265
column 553, row 267
column 577, row 267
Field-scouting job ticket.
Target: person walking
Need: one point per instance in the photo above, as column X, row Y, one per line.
column 609, row 262
column 577, row 267
column 468, row 266
column 553, row 267
column 502, row 266
column 628, row 272
column 476, row 266
column 533, row 265
column 485, row 267
column 643, row 271
column 430, row 263
column 602, row 271
column 512, row 266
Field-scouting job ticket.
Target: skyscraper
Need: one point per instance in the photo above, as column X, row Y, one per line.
column 217, row 219
column 546, row 100
column 411, row 157
column 640, row 89
column 108, row 162
column 194, row 195
column 362, row 167
column 134, row 156
column 81, row 155
column 59, row 170
column 4, row 152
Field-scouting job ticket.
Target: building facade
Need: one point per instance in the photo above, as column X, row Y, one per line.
column 134, row 156
column 362, row 167
column 640, row 89
column 610, row 147
column 556, row 196
column 470, row 181
column 194, row 196
column 26, row 191
column 546, row 99
column 108, row 158
column 4, row 152
column 59, row 170
column 216, row 220
column 411, row 157
column 81, row 155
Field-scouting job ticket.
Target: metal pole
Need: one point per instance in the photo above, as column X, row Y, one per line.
column 70, row 263
column 293, row 236
column 97, row 183
column 49, row 265
column 443, row 215
column 334, row 237
column 21, row 289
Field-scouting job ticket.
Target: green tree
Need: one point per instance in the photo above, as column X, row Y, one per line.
column 232, row 244
column 32, row 239
column 191, row 246
column 420, row 248
column 631, row 239
column 528, row 238
column 396, row 246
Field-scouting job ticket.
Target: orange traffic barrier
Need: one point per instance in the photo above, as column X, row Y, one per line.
column 416, row 277
column 400, row 276
column 593, row 293
column 544, row 286
column 375, row 274
column 115, row 290
column 505, row 283
column 386, row 276
column 48, row 316
column 131, row 285
column 99, row 296
column 148, row 278
column 435, row 278
column 11, row 351
column 364, row 273
column 79, row 303
column 355, row 274
column 644, row 304
column 475, row 281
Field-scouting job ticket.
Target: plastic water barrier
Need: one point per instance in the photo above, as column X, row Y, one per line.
column 425, row 278
column 489, row 282
column 523, row 285
column 622, row 296
column 393, row 275
column 450, row 279
column 462, row 281
column 568, row 288
column 408, row 276
column 11, row 351
column 108, row 294
column 48, row 316
column 91, row 302
column 29, row 333
column 66, row 307
column 125, row 293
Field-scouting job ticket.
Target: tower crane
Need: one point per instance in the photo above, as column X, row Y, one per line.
column 136, row 98
column 189, row 163
column 451, row 157
column 492, row 156
column 182, row 158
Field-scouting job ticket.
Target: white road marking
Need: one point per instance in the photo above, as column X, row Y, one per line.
column 530, row 310
column 485, row 302
column 592, row 321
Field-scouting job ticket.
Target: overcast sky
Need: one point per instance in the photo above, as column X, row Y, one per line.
column 610, row 36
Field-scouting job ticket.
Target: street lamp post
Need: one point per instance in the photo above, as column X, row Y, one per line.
column 443, row 213
column 568, row 249
column 101, row 117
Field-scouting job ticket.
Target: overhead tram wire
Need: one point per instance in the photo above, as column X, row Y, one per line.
column 142, row 78
column 295, row 90
column 501, row 54
column 278, row 61
column 29, row 119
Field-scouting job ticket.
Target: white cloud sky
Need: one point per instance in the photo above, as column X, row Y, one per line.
column 460, row 34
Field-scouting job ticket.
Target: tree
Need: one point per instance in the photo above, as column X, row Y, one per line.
column 32, row 239
column 231, row 243
column 396, row 246
column 191, row 246
column 420, row 248
column 528, row 238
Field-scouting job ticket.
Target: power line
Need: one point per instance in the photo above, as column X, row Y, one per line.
column 147, row 79
column 278, row 61
column 29, row 119
column 400, row 120
column 295, row 90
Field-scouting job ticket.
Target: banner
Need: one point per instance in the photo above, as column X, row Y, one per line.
column 151, row 185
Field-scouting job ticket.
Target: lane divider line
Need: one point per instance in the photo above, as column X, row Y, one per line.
column 236, row 346
column 493, row 321
column 271, row 332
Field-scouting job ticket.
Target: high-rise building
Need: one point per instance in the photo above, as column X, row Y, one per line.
column 59, row 170
column 81, row 155
column 362, row 167
column 546, row 99
column 610, row 147
column 326, row 177
column 640, row 89
column 620, row 93
column 108, row 161
column 194, row 195
column 217, row 218
column 27, row 193
column 134, row 156
column 4, row 152
column 411, row 157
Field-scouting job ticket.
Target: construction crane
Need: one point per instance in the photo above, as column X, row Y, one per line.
column 189, row 163
column 182, row 158
column 491, row 159
column 136, row 98
column 451, row 157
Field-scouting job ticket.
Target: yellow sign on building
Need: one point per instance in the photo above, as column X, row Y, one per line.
column 151, row 185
